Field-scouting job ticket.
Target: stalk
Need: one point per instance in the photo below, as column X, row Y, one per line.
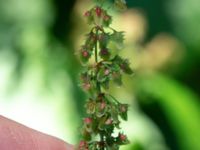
column 103, row 110
column 96, row 60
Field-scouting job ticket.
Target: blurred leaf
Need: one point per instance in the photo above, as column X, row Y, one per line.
column 137, row 146
column 180, row 105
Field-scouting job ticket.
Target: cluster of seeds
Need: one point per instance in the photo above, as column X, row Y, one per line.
column 104, row 112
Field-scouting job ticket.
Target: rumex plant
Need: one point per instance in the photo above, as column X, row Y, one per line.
column 102, row 64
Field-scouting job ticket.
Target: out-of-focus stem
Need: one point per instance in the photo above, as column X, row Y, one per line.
column 96, row 60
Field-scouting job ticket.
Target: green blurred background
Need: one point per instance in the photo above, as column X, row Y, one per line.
column 39, row 69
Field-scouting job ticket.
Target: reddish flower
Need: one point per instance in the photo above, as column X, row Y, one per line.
column 108, row 121
column 88, row 120
column 85, row 53
column 103, row 105
column 87, row 13
column 98, row 11
column 106, row 18
column 86, row 86
column 104, row 52
column 122, row 137
column 106, row 72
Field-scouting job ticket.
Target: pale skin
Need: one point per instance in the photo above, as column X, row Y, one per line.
column 15, row 136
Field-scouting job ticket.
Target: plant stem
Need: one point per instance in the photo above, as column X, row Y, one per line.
column 96, row 48
column 102, row 141
column 96, row 60
column 98, row 85
column 114, row 98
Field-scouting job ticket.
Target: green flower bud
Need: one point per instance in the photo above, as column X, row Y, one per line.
column 125, row 67
column 90, row 106
column 123, row 108
column 100, row 109
column 104, row 54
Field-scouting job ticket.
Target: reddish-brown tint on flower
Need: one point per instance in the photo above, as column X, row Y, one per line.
column 98, row 11
column 88, row 120
column 86, row 86
column 87, row 13
column 104, row 51
column 85, row 53
column 108, row 121
column 103, row 105
column 106, row 18
column 123, row 108
column 106, row 72
column 93, row 37
column 122, row 137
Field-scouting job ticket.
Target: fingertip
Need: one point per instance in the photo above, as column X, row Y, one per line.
column 14, row 136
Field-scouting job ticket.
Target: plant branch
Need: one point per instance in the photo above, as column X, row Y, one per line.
column 96, row 60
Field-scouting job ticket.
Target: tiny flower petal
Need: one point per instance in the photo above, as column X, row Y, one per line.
column 122, row 137
column 98, row 11
column 106, row 72
column 108, row 121
column 85, row 53
column 87, row 13
column 88, row 120
column 103, row 105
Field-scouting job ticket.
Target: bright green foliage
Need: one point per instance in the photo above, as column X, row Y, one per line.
column 177, row 101
column 104, row 112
